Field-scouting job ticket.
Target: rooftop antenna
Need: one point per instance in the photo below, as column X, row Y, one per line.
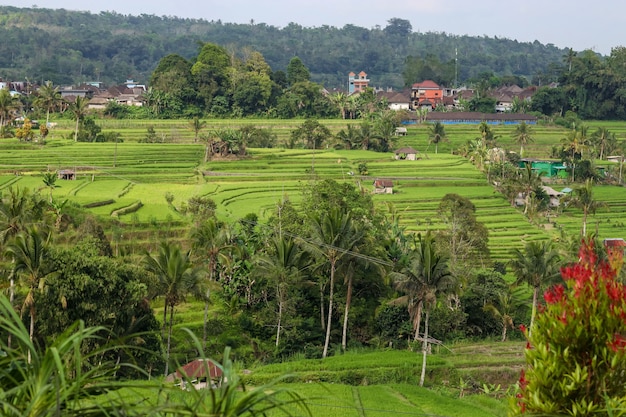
column 456, row 68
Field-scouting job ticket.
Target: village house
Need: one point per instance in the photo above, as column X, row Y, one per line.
column 203, row 373
column 553, row 195
column 427, row 94
column 406, row 153
column 396, row 100
column 614, row 245
column 127, row 94
column 545, row 168
column 357, row 83
column 505, row 97
column 382, row 186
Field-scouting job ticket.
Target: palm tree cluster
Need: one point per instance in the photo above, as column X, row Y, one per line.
column 376, row 132
column 47, row 99
column 423, row 279
column 313, row 276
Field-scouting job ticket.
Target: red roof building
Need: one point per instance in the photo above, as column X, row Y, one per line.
column 428, row 93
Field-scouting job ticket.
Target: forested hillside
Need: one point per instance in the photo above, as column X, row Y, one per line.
column 68, row 47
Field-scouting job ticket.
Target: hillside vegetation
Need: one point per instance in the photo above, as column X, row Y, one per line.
column 69, row 47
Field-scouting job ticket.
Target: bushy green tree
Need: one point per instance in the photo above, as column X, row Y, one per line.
column 464, row 238
column 297, row 72
column 211, row 72
column 311, row 133
column 55, row 380
column 102, row 292
column 576, row 355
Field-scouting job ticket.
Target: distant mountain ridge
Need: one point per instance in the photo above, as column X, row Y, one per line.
column 69, row 47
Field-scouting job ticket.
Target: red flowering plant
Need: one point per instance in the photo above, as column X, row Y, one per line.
column 576, row 355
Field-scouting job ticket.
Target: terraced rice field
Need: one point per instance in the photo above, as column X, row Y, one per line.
column 353, row 384
column 130, row 172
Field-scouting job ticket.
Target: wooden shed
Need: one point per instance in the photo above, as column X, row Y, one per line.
column 406, row 153
column 383, row 186
column 66, row 174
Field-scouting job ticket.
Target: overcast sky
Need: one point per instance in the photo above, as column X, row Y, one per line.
column 597, row 25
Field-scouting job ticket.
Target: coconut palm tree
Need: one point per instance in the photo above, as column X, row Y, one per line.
column 196, row 124
column 283, row 266
column 603, row 139
column 523, row 136
column 528, row 181
column 210, row 241
column 437, row 134
column 409, row 282
column 8, row 106
column 583, row 199
column 509, row 303
column 355, row 268
column 177, row 278
column 569, row 57
column 29, row 251
column 333, row 237
column 348, row 137
column 426, row 276
column 18, row 210
column 339, row 100
column 577, row 143
column 49, row 180
column 487, row 136
column 79, row 110
column 537, row 265
column 48, row 98
column 385, row 124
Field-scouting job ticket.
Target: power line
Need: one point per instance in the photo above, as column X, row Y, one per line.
column 325, row 245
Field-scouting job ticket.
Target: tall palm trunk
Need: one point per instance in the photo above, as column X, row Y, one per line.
column 322, row 319
column 344, row 337
column 280, row 317
column 212, row 265
column 424, row 349
column 169, row 340
column 417, row 320
column 164, row 327
column 330, row 307
column 76, row 130
column 534, row 310
column 204, row 324
column 11, row 297
column 31, row 331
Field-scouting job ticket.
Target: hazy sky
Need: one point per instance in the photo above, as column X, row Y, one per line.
column 597, row 25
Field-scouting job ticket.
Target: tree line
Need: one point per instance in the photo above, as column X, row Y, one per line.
column 109, row 47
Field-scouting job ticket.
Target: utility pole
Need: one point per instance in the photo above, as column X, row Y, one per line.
column 456, row 68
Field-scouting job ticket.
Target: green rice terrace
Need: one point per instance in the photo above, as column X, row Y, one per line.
column 143, row 188
column 128, row 181
column 382, row 383
column 465, row 380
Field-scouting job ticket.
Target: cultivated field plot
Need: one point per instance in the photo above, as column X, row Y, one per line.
column 609, row 220
column 358, row 383
column 386, row 400
column 111, row 177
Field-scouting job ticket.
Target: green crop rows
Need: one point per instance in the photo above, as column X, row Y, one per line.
column 113, row 176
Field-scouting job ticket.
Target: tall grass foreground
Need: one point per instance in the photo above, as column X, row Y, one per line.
column 62, row 381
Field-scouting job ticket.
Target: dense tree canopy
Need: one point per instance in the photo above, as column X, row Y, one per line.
column 110, row 47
